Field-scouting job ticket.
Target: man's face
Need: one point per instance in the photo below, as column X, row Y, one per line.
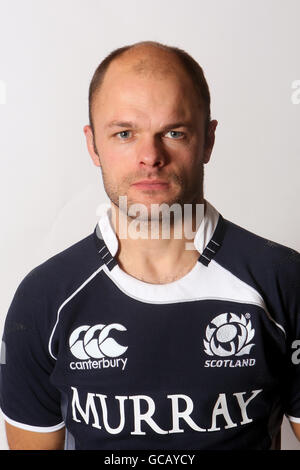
column 149, row 136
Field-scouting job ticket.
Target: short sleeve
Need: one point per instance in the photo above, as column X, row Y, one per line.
column 289, row 290
column 28, row 399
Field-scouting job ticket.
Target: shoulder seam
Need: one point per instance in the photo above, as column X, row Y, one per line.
column 250, row 288
column 66, row 301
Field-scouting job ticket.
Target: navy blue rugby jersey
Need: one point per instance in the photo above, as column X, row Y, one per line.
column 209, row 361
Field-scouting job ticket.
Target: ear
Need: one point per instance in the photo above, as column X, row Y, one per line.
column 91, row 145
column 210, row 140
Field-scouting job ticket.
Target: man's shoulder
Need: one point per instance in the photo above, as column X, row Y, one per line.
column 245, row 250
column 64, row 270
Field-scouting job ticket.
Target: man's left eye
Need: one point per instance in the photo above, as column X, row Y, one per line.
column 176, row 134
column 121, row 134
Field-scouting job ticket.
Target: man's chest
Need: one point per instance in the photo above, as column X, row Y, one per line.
column 130, row 368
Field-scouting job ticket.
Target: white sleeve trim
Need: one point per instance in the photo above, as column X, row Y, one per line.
column 293, row 419
column 28, row 427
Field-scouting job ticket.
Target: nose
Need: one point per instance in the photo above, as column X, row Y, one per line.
column 151, row 153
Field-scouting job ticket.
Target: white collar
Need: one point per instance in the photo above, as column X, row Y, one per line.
column 203, row 235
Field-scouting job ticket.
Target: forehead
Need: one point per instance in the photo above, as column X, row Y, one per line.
column 164, row 88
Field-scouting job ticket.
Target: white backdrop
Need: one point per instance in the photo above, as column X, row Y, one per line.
column 49, row 49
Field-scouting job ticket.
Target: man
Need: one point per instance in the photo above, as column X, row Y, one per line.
column 127, row 342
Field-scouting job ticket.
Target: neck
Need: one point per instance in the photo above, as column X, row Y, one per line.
column 157, row 251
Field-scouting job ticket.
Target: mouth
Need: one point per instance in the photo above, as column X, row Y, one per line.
column 151, row 184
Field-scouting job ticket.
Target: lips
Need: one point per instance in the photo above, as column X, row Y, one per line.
column 150, row 181
column 151, row 184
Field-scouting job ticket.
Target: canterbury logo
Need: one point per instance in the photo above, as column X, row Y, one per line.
column 93, row 342
column 229, row 335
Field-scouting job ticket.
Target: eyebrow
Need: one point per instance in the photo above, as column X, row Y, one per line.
column 131, row 124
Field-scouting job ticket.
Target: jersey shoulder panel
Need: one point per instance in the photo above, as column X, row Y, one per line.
column 253, row 245
column 46, row 286
column 271, row 268
column 82, row 255
column 68, row 267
